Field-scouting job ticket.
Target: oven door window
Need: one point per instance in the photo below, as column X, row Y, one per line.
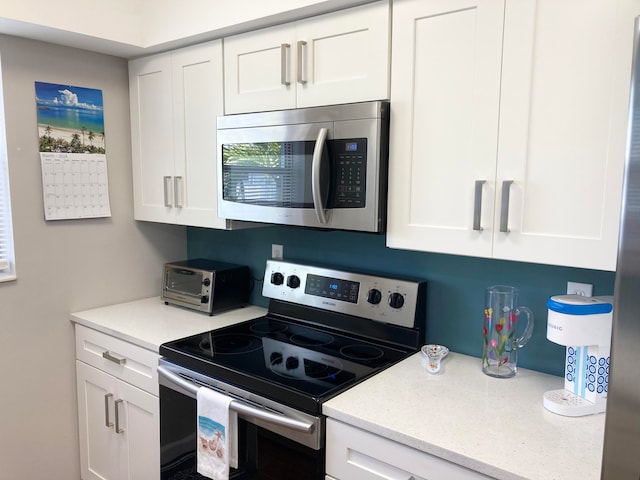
column 273, row 174
column 186, row 282
column 262, row 455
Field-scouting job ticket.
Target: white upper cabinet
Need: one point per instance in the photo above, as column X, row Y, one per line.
column 150, row 94
column 340, row 57
column 175, row 100
column 508, row 128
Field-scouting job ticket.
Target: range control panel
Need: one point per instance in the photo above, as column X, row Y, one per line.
column 384, row 299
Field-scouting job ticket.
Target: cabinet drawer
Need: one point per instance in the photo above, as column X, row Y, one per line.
column 123, row 360
column 354, row 454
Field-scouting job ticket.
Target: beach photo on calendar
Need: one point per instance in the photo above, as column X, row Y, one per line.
column 70, row 119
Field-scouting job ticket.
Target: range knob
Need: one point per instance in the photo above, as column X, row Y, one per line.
column 204, row 299
column 396, row 300
column 277, row 278
column 206, row 282
column 374, row 296
column 275, row 358
column 292, row 363
column 293, row 281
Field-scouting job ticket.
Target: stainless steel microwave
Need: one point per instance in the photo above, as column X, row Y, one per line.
column 322, row 167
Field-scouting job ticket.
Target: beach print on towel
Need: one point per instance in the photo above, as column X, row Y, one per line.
column 72, row 149
column 213, row 452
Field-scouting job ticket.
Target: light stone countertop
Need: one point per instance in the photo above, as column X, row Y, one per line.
column 498, row 427
column 149, row 323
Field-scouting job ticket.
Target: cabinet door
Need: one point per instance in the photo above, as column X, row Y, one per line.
column 259, row 70
column 565, row 88
column 445, row 89
column 98, row 450
column 344, row 56
column 152, row 138
column 139, row 437
column 119, row 428
column 197, row 102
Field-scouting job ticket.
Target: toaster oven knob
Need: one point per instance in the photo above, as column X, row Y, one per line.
column 374, row 296
column 206, row 282
column 396, row 300
column 277, row 278
column 204, row 299
column 293, row 281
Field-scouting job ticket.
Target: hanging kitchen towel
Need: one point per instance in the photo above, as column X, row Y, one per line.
column 217, row 440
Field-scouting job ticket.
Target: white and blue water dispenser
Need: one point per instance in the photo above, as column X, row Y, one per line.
column 583, row 325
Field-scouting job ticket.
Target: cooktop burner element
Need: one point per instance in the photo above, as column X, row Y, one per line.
column 229, row 344
column 361, row 352
column 315, row 339
column 325, row 331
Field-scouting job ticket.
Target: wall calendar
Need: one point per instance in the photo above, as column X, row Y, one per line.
column 72, row 152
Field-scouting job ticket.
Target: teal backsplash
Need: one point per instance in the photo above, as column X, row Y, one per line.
column 456, row 284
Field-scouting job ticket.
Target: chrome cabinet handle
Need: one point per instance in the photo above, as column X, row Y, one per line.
column 112, row 357
column 301, row 79
column 504, row 206
column 115, row 406
column 316, row 188
column 167, row 187
column 107, row 421
column 284, row 64
column 477, row 205
column 177, row 192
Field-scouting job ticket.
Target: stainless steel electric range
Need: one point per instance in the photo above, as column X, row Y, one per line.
column 325, row 331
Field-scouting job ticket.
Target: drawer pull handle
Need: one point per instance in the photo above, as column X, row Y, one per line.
column 107, row 421
column 115, row 405
column 117, row 359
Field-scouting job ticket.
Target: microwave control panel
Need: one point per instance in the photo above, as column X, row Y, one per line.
column 351, row 172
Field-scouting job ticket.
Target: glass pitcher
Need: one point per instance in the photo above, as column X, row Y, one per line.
column 500, row 340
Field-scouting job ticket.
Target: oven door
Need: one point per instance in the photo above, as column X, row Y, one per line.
column 275, row 442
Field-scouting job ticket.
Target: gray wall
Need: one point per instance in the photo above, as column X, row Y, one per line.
column 63, row 266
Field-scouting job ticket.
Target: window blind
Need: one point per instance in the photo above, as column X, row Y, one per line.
column 7, row 259
column 6, row 231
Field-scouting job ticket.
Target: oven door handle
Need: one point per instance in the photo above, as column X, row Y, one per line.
column 316, row 188
column 239, row 407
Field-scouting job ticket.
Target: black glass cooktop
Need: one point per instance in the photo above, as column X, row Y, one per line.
column 290, row 362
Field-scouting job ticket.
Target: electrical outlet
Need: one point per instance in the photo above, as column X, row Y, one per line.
column 584, row 289
column 277, row 251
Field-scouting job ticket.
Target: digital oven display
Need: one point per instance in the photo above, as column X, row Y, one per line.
column 334, row 288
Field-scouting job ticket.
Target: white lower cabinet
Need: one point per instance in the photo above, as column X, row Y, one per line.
column 355, row 454
column 119, row 423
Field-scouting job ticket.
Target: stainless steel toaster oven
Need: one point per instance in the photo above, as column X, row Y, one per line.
column 206, row 285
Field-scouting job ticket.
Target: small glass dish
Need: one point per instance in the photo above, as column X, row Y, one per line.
column 434, row 354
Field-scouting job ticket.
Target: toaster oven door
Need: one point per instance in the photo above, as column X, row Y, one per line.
column 186, row 287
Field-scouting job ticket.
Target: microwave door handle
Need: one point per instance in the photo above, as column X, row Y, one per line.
column 316, row 188
column 239, row 407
